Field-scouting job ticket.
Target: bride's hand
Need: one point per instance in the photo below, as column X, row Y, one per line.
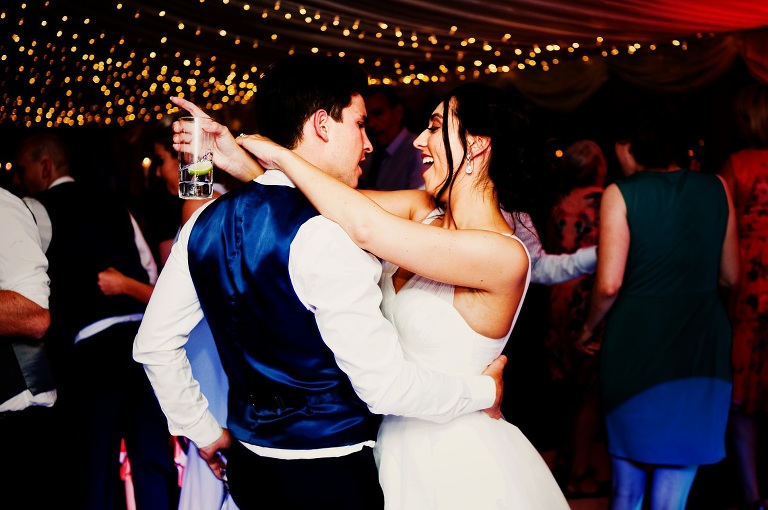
column 267, row 152
column 227, row 154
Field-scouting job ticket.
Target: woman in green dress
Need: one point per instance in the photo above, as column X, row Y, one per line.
column 667, row 240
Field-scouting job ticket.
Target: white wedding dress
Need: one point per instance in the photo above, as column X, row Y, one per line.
column 473, row 461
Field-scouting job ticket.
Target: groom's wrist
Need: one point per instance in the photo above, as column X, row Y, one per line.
column 483, row 392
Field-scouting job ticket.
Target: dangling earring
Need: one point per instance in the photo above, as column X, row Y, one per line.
column 469, row 165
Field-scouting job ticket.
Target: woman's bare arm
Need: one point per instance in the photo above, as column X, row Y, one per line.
column 476, row 259
column 729, row 256
column 612, row 254
column 409, row 204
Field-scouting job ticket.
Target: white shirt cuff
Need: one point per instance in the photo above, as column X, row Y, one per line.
column 203, row 433
column 586, row 259
column 483, row 390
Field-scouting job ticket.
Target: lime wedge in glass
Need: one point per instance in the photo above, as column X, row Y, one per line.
column 200, row 168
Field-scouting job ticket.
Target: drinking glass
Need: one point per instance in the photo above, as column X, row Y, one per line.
column 195, row 160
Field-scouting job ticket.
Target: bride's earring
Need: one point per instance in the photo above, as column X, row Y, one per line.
column 469, row 165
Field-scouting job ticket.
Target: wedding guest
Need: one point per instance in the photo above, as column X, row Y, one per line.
column 549, row 268
column 532, row 411
column 27, row 388
column 668, row 238
column 395, row 163
column 746, row 173
column 165, row 223
column 103, row 395
column 573, row 225
column 199, row 486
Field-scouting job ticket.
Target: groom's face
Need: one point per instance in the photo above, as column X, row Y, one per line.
column 349, row 142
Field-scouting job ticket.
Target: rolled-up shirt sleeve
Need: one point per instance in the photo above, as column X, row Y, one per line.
column 339, row 282
column 23, row 265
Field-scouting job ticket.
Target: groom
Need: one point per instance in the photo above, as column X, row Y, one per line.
column 294, row 307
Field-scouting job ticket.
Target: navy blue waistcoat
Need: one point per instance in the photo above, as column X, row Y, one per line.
column 285, row 389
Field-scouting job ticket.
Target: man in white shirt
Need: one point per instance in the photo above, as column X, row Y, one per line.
column 547, row 268
column 294, row 307
column 27, row 389
column 104, row 396
column 395, row 163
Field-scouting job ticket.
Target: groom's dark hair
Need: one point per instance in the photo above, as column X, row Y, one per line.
column 294, row 88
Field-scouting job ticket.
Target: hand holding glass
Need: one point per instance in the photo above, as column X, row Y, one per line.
column 195, row 160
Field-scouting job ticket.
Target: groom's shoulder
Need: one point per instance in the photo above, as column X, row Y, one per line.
column 322, row 234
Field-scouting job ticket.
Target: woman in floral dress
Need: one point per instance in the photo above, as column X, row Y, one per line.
column 746, row 172
column 574, row 224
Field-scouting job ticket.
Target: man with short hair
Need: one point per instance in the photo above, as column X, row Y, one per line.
column 395, row 163
column 293, row 305
column 27, row 389
column 104, row 396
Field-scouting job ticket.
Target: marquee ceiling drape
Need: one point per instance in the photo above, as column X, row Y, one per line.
column 113, row 61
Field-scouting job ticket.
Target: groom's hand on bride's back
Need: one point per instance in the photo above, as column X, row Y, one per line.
column 496, row 370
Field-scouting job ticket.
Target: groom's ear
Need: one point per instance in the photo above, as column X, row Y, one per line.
column 320, row 124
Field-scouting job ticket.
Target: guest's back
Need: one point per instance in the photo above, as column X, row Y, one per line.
column 573, row 224
column 667, row 240
column 746, row 172
column 28, row 412
column 104, row 396
column 677, row 223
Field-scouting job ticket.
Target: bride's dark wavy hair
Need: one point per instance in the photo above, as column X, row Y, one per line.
column 483, row 110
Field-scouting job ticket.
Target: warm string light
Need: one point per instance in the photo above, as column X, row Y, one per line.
column 68, row 58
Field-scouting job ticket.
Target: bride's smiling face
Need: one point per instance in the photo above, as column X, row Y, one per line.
column 433, row 152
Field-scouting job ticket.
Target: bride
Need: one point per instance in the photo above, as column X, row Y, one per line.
column 453, row 285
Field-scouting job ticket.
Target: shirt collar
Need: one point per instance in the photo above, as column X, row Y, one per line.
column 61, row 180
column 274, row 178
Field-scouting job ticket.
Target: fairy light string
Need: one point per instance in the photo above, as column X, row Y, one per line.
column 68, row 63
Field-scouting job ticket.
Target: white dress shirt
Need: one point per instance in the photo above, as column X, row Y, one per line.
column 23, row 264
column 23, row 269
column 546, row 268
column 338, row 282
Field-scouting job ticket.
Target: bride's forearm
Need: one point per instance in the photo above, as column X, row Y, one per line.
column 353, row 211
column 356, row 214
column 246, row 168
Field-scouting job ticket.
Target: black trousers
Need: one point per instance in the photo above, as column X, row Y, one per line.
column 31, row 450
column 342, row 483
column 111, row 399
